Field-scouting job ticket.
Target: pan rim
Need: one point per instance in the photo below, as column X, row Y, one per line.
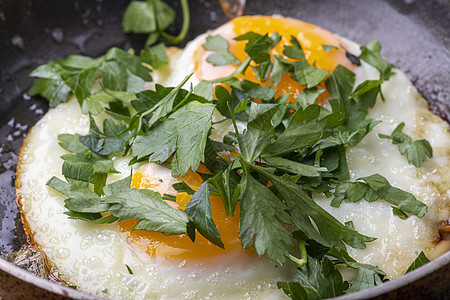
column 431, row 267
column 43, row 283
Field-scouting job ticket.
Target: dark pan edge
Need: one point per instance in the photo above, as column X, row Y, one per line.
column 391, row 289
column 33, row 282
column 388, row 290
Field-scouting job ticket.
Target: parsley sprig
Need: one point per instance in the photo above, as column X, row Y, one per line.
column 120, row 71
column 416, row 152
column 154, row 17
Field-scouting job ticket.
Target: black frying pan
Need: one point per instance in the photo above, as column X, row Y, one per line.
column 415, row 36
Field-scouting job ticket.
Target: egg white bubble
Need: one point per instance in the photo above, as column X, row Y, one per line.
column 93, row 256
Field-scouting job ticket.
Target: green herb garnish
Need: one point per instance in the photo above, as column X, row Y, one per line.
column 420, row 260
column 129, row 269
column 416, row 152
column 154, row 17
column 287, row 152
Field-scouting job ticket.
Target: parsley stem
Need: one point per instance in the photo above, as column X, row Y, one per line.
column 183, row 101
column 184, row 29
column 152, row 109
column 235, row 198
column 243, row 66
column 303, row 260
column 299, row 262
column 234, row 124
column 221, row 121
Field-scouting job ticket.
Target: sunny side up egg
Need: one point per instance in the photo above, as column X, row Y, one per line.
column 94, row 257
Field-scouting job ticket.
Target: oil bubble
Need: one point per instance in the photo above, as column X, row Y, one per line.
column 17, row 41
column 57, row 35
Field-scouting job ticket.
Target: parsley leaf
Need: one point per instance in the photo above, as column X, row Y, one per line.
column 375, row 187
column 294, row 51
column 416, row 152
column 199, row 208
column 353, row 191
column 159, row 107
column 205, row 89
column 153, row 212
column 261, row 213
column 308, row 96
column 371, row 54
column 80, row 82
column 124, row 204
column 277, row 71
column 141, row 17
column 352, row 105
column 420, row 260
column 305, row 128
column 111, row 140
column 258, row 45
column 319, row 280
column 129, row 269
column 157, row 55
column 213, row 162
column 293, row 289
column 84, row 172
column 184, row 133
column 328, row 48
column 113, row 77
column 71, row 142
column 153, row 17
column 85, row 164
column 53, row 90
column 78, row 73
column 225, row 99
column 309, row 75
column 343, row 257
column 83, row 204
column 399, row 213
column 303, row 211
column 340, row 83
column 403, row 200
column 182, row 187
column 227, row 183
column 254, row 90
column 305, row 73
column 81, row 198
column 259, row 132
column 221, row 56
column 365, row 279
column 130, row 62
column 294, row 167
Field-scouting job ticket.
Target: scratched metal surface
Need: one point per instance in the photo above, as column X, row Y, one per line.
column 414, row 34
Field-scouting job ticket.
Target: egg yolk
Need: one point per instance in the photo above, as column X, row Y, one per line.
column 180, row 246
column 311, row 38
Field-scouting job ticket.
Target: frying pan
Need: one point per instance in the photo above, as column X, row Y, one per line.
column 414, row 34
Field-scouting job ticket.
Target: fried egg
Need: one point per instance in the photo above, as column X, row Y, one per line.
column 95, row 257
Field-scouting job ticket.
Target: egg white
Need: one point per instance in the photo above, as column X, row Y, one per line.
column 398, row 241
column 93, row 257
